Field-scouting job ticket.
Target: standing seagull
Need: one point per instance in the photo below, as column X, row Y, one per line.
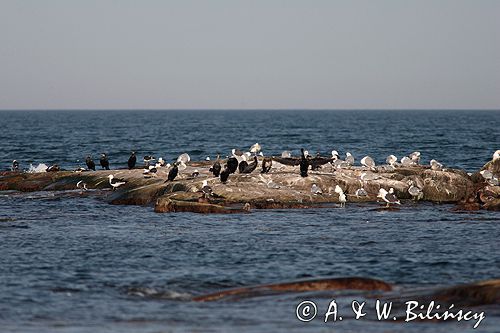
column 342, row 197
column 15, row 165
column 349, row 159
column 104, row 161
column 388, row 197
column 415, row 157
column 255, row 148
column 496, row 155
column 114, row 182
column 368, row 162
column 132, row 160
column 90, row 163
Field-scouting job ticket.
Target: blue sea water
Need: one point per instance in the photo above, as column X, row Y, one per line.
column 76, row 264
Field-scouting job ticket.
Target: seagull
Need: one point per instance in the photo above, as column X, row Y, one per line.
column 184, row 158
column 368, row 162
column 361, row 192
column 207, row 190
column 487, row 174
column 335, row 155
column 391, row 160
column 415, row 157
column 286, row 154
column 415, row 191
column 148, row 159
column 90, row 163
column 388, row 197
column 315, row 189
column 82, row 185
column 161, row 162
column 114, row 182
column 435, row 165
column 15, row 165
column 104, row 161
column 151, row 169
column 195, row 173
column 496, row 155
column 207, row 158
column 255, row 148
column 406, row 161
column 342, row 197
column 349, row 159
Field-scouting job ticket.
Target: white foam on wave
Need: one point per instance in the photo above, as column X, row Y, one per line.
column 42, row 167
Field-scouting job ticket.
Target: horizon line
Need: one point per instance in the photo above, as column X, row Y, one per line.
column 254, row 109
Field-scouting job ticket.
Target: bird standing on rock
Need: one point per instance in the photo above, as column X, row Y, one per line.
column 224, row 175
column 115, row 182
column 15, row 165
column 173, row 172
column 267, row 163
column 216, row 168
column 232, row 164
column 252, row 166
column 132, row 160
column 104, row 161
column 304, row 164
column 90, row 163
column 388, row 197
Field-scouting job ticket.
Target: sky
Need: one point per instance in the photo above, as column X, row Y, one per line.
column 259, row 54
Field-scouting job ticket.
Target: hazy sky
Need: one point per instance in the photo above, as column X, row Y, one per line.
column 95, row 54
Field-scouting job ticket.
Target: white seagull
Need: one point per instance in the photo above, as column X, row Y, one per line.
column 496, row 155
column 391, row 160
column 368, row 162
column 81, row 185
column 315, row 189
column 255, row 148
column 342, row 197
column 435, row 165
column 349, row 158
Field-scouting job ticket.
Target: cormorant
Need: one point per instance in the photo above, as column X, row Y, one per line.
column 304, row 164
column 267, row 162
column 132, row 160
column 215, row 169
column 224, row 175
column 104, row 161
column 252, row 166
column 172, row 173
column 243, row 164
column 232, row 164
column 90, row 163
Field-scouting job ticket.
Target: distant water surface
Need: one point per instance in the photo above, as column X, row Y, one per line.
column 77, row 264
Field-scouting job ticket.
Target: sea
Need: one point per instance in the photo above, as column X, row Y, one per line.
column 78, row 264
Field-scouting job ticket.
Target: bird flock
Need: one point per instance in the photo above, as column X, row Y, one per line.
column 247, row 162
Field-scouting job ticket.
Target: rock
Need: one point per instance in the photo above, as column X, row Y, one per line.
column 282, row 187
column 349, row 283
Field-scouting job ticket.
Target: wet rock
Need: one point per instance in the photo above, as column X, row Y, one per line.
column 349, row 283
